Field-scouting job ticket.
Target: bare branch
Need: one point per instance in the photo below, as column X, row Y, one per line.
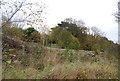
column 24, row 12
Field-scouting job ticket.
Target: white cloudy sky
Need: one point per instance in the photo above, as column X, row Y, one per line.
column 93, row 12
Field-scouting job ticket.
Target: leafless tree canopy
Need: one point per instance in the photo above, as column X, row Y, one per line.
column 79, row 23
column 97, row 32
column 117, row 14
column 24, row 12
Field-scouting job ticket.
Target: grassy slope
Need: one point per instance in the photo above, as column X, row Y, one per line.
column 41, row 63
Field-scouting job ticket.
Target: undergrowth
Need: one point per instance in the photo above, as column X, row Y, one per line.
column 45, row 63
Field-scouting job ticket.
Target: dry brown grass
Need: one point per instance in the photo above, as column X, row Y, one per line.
column 81, row 71
column 51, row 64
column 49, row 57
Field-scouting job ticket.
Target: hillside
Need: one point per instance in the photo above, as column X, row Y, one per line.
column 33, row 47
column 54, row 63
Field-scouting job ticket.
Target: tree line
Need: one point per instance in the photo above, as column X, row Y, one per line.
column 69, row 34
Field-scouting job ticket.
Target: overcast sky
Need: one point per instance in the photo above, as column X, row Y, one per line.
column 93, row 12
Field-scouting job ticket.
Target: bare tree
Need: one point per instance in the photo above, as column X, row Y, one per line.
column 44, row 31
column 96, row 32
column 24, row 12
column 117, row 14
column 79, row 22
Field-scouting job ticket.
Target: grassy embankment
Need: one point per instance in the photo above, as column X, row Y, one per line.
column 39, row 62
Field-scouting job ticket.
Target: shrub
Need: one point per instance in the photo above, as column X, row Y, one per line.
column 14, row 32
column 65, row 39
column 31, row 35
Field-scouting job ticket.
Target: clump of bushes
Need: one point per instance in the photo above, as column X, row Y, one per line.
column 31, row 35
column 65, row 39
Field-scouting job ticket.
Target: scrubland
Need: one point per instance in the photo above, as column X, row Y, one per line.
column 53, row 63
